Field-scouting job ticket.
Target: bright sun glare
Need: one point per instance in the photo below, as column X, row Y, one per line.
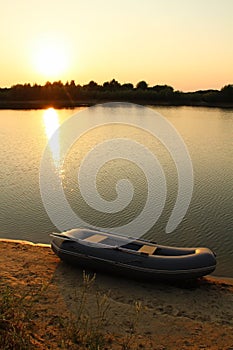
column 51, row 121
column 51, row 124
column 51, row 58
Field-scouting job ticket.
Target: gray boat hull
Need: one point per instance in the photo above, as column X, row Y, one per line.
column 140, row 259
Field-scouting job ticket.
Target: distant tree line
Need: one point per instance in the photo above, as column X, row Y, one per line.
column 72, row 94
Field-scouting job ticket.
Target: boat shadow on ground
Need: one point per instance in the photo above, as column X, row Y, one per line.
column 203, row 299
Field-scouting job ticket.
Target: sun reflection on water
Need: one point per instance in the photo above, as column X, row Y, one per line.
column 51, row 124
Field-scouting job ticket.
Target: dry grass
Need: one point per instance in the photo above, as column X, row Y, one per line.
column 83, row 329
column 15, row 332
column 45, row 304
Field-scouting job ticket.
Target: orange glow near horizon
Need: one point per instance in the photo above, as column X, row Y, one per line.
column 184, row 44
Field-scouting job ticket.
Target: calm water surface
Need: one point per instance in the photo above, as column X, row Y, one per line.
column 208, row 134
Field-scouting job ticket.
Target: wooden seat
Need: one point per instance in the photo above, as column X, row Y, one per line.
column 147, row 249
column 95, row 238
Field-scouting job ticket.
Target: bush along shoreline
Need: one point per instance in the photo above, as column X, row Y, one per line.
column 70, row 95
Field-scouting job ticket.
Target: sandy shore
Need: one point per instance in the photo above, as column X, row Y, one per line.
column 147, row 316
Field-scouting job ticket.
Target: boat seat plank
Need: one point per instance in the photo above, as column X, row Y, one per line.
column 95, row 238
column 147, row 249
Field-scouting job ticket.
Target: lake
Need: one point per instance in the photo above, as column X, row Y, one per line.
column 207, row 133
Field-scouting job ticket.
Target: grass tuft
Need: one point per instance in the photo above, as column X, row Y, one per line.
column 14, row 321
column 83, row 329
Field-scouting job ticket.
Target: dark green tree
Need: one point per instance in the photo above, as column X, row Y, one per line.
column 127, row 86
column 142, row 85
column 227, row 93
column 112, row 85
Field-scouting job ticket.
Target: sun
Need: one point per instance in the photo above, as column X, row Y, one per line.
column 51, row 58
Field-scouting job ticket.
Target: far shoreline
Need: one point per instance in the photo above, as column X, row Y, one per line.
column 60, row 104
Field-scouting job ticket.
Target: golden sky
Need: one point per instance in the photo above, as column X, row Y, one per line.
column 187, row 44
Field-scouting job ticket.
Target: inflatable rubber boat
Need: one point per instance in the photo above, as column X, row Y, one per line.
column 137, row 258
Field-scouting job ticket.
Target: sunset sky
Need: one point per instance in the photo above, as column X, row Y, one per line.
column 187, row 44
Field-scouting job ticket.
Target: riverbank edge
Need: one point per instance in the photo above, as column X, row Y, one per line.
column 26, row 105
column 42, row 297
column 211, row 278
